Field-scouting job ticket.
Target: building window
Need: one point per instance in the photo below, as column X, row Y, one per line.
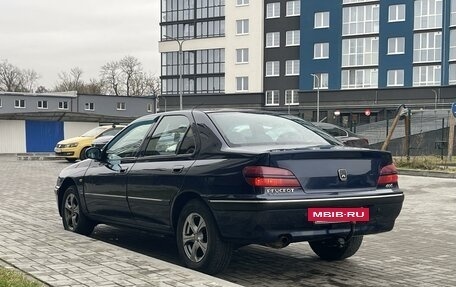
column 272, row 69
column 427, row 47
column 396, row 46
column 360, row 52
column 42, row 105
column 242, row 27
column 291, row 97
column 242, row 2
column 242, row 84
column 321, row 20
column 359, row 78
column 356, row 1
column 242, row 56
column 272, row 98
column 292, row 68
column 320, row 81
column 273, row 40
column 426, row 76
column 89, row 107
column 121, row 106
column 150, row 108
column 358, row 20
column 19, row 104
column 453, row 45
column 321, row 50
column 293, row 38
column 395, row 78
column 293, row 8
column 63, row 105
column 452, row 80
column 396, row 13
column 0, row 103
column 453, row 13
column 273, row 10
column 428, row 14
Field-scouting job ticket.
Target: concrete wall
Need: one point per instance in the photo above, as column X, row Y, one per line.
column 75, row 129
column 12, row 136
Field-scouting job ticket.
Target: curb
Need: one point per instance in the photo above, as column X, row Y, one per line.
column 426, row 173
column 38, row 156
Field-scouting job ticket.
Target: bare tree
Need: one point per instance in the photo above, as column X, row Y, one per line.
column 111, row 77
column 72, row 81
column 131, row 68
column 41, row 89
column 13, row 79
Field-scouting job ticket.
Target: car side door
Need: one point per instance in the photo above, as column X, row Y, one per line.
column 105, row 181
column 159, row 171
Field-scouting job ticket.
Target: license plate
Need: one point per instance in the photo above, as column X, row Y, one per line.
column 57, row 150
column 322, row 215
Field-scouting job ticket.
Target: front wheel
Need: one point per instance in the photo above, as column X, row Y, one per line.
column 333, row 249
column 73, row 217
column 198, row 239
column 82, row 155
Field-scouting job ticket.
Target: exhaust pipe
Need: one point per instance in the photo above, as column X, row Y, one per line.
column 284, row 241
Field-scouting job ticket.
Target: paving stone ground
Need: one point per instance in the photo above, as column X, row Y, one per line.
column 420, row 251
column 32, row 239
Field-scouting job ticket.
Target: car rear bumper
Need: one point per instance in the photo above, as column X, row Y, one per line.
column 249, row 221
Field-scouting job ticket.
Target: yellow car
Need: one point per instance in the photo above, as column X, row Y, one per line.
column 74, row 148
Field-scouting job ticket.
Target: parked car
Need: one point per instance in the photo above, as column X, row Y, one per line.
column 347, row 137
column 101, row 141
column 74, row 148
column 217, row 180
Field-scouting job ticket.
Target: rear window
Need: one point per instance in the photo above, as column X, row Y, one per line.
column 242, row 129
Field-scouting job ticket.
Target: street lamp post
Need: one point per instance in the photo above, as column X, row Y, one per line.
column 318, row 95
column 180, row 67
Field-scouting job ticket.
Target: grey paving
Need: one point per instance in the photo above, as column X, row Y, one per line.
column 32, row 239
column 420, row 251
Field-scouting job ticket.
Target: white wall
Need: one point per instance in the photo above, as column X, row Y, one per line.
column 253, row 41
column 12, row 136
column 75, row 129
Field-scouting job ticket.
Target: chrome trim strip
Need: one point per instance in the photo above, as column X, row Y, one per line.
column 305, row 200
column 104, row 195
column 146, row 199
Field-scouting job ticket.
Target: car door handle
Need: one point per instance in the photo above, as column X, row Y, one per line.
column 178, row 168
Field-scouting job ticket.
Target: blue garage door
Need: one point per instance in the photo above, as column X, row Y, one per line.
column 41, row 136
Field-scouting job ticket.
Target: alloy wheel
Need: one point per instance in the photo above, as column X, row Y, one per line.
column 72, row 212
column 195, row 237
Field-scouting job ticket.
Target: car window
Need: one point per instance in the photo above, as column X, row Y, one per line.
column 335, row 132
column 128, row 143
column 168, row 136
column 111, row 132
column 240, row 129
column 94, row 132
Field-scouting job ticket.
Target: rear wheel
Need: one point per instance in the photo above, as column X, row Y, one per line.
column 73, row 217
column 333, row 249
column 198, row 239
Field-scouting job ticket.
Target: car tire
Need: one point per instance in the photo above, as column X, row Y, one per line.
column 82, row 155
column 70, row 159
column 73, row 217
column 202, row 249
column 332, row 249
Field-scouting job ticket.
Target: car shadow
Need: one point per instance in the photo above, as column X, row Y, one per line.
column 251, row 265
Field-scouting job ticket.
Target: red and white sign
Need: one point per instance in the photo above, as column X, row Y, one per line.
column 347, row 214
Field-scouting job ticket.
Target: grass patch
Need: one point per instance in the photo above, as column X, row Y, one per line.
column 12, row 278
column 426, row 163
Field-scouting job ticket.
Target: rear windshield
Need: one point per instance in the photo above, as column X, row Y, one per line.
column 94, row 132
column 242, row 129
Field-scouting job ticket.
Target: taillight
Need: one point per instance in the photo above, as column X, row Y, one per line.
column 265, row 176
column 388, row 176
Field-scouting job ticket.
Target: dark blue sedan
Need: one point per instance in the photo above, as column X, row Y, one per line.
column 217, row 180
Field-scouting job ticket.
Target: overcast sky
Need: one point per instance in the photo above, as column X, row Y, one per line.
column 51, row 36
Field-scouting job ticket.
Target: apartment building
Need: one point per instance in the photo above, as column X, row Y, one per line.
column 357, row 59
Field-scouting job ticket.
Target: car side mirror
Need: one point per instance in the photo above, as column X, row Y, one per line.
column 93, row 153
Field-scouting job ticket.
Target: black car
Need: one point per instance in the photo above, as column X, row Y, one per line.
column 101, row 141
column 347, row 137
column 222, row 179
